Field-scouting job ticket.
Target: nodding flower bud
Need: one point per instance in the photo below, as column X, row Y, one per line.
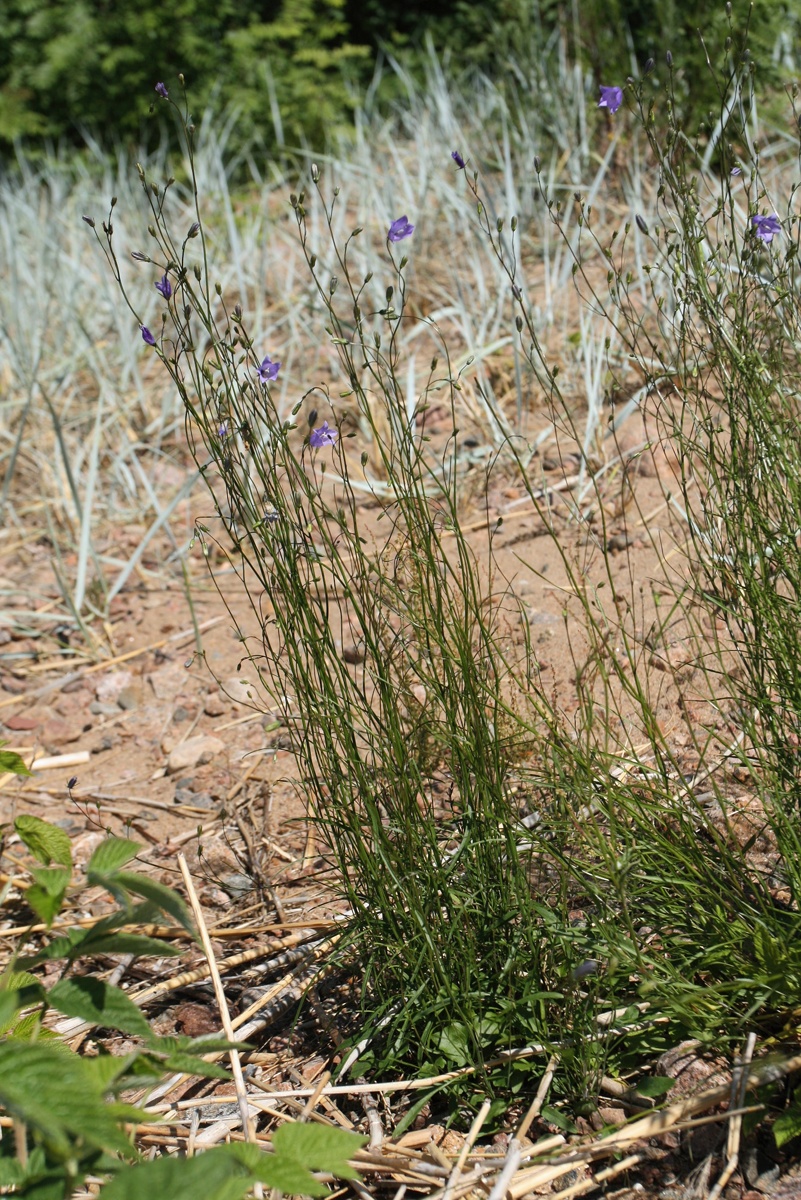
column 194, row 229
column 89, row 221
column 643, row 228
column 162, row 91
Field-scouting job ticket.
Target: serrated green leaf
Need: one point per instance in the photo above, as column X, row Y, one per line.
column 46, row 842
column 44, row 903
column 12, row 981
column 100, row 1003
column 109, row 1070
column 11, row 763
column 12, row 1000
column 190, row 1064
column 276, row 1170
column 655, row 1086
column 123, row 943
column 212, row 1176
column 209, row 1043
column 51, row 1091
column 110, row 855
column 54, row 880
column 318, row 1147
column 157, row 893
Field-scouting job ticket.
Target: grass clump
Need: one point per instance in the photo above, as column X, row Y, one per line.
column 523, row 880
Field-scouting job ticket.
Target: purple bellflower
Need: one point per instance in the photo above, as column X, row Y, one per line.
column 457, row 158
column 766, row 228
column 400, row 229
column 324, row 436
column 162, row 91
column 735, row 171
column 222, row 430
column 164, row 286
column 147, row 336
column 268, row 370
column 611, row 98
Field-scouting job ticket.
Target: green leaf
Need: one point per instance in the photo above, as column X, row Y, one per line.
column 788, row 1125
column 44, row 903
column 158, row 893
column 454, row 1044
column 50, row 1090
column 655, row 1086
column 100, row 1003
column 46, row 842
column 557, row 1118
column 110, row 855
column 189, row 1064
column 12, row 1000
column 54, row 880
column 109, row 1070
column 12, row 763
column 212, row 1176
column 124, row 943
column 319, row 1147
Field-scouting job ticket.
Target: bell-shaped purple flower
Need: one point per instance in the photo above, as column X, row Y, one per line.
column 324, row 436
column 611, row 98
column 268, row 371
column 164, row 286
column 147, row 336
column 400, row 229
column 457, row 158
column 766, row 228
column 162, row 91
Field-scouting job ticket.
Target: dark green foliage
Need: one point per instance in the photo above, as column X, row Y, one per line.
column 68, row 1122
column 292, row 68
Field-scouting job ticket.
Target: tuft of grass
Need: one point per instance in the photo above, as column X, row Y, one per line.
column 518, row 873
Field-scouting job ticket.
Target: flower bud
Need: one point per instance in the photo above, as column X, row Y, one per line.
column 643, row 228
column 194, row 229
column 537, row 163
column 89, row 221
column 315, row 172
column 669, row 59
column 649, row 66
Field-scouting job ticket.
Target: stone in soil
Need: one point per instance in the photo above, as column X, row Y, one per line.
column 110, row 686
column 21, row 723
column 240, row 691
column 213, row 705
column 193, row 753
column 130, row 697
